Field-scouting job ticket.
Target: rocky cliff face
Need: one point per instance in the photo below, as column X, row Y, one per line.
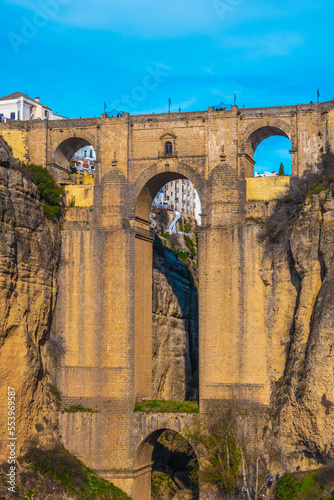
column 298, row 271
column 29, row 253
column 175, row 328
column 174, row 315
column 299, row 274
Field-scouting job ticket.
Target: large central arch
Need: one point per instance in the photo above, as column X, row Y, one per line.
column 146, row 189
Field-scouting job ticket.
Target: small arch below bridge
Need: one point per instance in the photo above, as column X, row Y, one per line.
column 164, row 451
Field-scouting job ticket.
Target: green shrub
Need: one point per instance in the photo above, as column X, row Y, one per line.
column 73, row 474
column 50, row 191
column 180, row 254
column 191, row 246
column 305, row 485
column 165, row 235
column 51, row 212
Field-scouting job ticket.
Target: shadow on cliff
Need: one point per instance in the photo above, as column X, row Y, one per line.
column 182, row 283
column 299, row 236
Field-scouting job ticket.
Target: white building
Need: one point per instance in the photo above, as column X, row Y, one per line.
column 86, row 153
column 266, row 174
column 84, row 160
column 18, row 106
column 181, row 196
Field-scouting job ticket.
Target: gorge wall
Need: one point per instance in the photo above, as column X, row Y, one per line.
column 29, row 253
column 298, row 272
column 174, row 309
column 174, row 327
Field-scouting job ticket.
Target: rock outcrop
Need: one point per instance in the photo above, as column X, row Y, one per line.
column 174, row 308
column 6, row 156
column 299, row 274
column 29, row 253
column 174, row 327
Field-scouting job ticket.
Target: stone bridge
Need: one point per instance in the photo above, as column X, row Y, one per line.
column 104, row 304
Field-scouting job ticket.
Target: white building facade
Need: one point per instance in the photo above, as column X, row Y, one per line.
column 85, row 153
column 84, row 159
column 180, row 196
column 18, row 106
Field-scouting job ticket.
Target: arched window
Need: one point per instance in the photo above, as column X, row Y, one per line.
column 168, row 148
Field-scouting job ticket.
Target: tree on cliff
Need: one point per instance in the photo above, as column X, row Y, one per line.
column 229, row 460
column 281, row 169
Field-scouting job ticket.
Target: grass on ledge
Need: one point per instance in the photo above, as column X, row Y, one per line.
column 160, row 406
column 79, row 408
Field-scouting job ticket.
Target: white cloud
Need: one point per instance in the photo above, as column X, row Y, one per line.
column 217, row 92
column 148, row 18
column 209, row 69
column 283, row 153
column 280, row 43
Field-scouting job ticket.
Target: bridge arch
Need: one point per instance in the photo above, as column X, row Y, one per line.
column 257, row 132
column 153, row 178
column 146, row 187
column 66, row 148
column 143, row 463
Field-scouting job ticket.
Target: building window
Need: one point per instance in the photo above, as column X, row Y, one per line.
column 18, row 115
column 46, row 114
column 2, row 118
column 12, row 116
column 168, row 148
column 91, row 153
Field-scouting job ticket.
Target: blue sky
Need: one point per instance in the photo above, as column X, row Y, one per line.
column 134, row 55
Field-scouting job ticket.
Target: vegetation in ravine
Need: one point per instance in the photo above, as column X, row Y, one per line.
column 162, row 485
column 278, row 226
column 160, row 406
column 231, row 461
column 75, row 477
column 173, row 462
column 50, row 191
column 313, row 485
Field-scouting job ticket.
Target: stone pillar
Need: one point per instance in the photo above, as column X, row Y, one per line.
column 143, row 311
column 294, row 162
column 142, row 482
column 246, row 165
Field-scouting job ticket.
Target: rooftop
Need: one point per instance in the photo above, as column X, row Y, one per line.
column 15, row 95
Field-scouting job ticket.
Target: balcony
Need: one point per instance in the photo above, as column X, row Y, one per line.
column 166, row 155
